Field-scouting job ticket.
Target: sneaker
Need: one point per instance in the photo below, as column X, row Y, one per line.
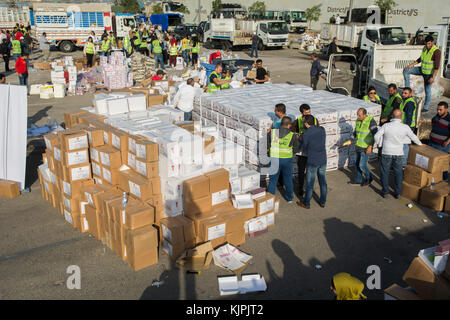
column 337, row 70
column 396, row 196
column 355, row 184
column 290, row 201
column 301, row 204
column 322, row 205
column 424, row 110
column 385, row 195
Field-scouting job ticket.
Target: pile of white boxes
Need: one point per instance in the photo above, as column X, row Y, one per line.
column 115, row 71
column 57, row 75
column 243, row 116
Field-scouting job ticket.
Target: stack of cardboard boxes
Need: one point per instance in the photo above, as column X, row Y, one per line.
column 425, row 167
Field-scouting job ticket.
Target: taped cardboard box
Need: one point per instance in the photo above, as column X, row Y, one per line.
column 395, row 292
column 428, row 158
column 174, row 251
column 198, row 207
column 136, row 185
column 51, row 140
column 410, row 192
column 92, row 193
column 93, row 218
column 419, row 177
column 70, row 119
column 95, row 136
column 214, row 230
column 425, row 283
column 110, row 156
column 197, row 259
column 236, row 238
column 196, row 188
column 110, row 175
column 179, row 230
column 104, row 199
column 132, row 139
column 74, row 189
column 72, row 158
column 135, row 215
column 219, row 182
column 147, row 169
column 116, row 209
column 434, row 198
column 77, row 172
column 141, row 247
column 71, row 205
column 147, row 150
column 264, row 204
column 9, row 189
column 74, row 141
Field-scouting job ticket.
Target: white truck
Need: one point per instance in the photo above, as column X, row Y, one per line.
column 358, row 38
column 68, row 25
column 227, row 33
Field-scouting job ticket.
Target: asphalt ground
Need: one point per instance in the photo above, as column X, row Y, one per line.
column 356, row 229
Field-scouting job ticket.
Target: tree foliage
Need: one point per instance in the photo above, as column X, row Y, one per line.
column 385, row 5
column 183, row 9
column 216, row 6
column 157, row 9
column 129, row 6
column 312, row 14
column 258, row 8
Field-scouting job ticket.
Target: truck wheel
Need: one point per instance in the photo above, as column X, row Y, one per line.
column 66, row 46
column 226, row 45
column 209, row 44
column 261, row 46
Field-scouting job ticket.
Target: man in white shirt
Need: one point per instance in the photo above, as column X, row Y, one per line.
column 391, row 137
column 2, row 35
column 338, row 19
column 184, row 99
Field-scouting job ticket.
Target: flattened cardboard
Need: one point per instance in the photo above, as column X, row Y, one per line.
column 197, row 259
column 395, row 292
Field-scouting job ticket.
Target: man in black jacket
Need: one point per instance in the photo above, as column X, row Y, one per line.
column 332, row 49
column 5, row 51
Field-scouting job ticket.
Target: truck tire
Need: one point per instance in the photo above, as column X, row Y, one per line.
column 66, row 46
column 226, row 45
column 209, row 44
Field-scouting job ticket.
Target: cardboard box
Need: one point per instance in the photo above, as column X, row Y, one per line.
column 200, row 206
column 236, row 238
column 141, row 247
column 197, row 259
column 71, row 205
column 419, row 177
column 91, row 194
column 74, row 189
column 174, row 251
column 95, row 136
column 104, row 199
column 196, row 188
column 156, row 99
column 110, row 175
column 147, row 150
column 136, row 185
column 410, row 192
column 9, row 189
column 72, row 158
column 110, row 157
column 395, row 292
column 69, row 117
column 434, row 198
column 51, row 140
column 77, row 172
column 132, row 139
column 116, row 210
column 93, row 218
column 179, row 230
column 425, row 283
column 251, row 74
column 428, row 158
column 219, row 187
column 147, row 169
column 74, row 141
column 264, row 204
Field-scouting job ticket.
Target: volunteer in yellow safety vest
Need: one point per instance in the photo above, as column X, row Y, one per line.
column 127, row 47
column 195, row 51
column 16, row 48
column 226, row 76
column 89, row 51
column 173, row 52
column 394, row 101
column 365, row 130
column 409, row 110
column 215, row 80
column 372, row 96
column 158, row 53
column 106, row 46
column 185, row 49
column 430, row 60
column 136, row 40
column 112, row 39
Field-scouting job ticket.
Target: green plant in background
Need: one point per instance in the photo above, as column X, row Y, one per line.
column 312, row 14
column 258, row 8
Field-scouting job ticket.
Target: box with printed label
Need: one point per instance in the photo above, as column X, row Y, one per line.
column 91, row 194
column 179, row 230
column 270, row 216
column 132, row 139
column 419, row 177
column 93, row 218
column 116, row 209
column 130, row 160
column 74, row 141
column 71, row 205
column 147, row 169
column 72, row 218
column 428, row 158
column 77, row 172
column 173, row 250
column 110, row 175
column 109, row 157
column 74, row 189
column 212, row 228
column 95, row 137
column 196, row 188
column 72, row 158
column 70, row 119
column 135, row 184
column 147, row 150
column 264, row 204
column 141, row 247
column 51, row 140
column 104, row 199
column 433, row 197
column 84, row 224
column 219, row 186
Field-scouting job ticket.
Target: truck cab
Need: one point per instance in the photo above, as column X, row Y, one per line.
column 272, row 34
column 123, row 23
column 295, row 20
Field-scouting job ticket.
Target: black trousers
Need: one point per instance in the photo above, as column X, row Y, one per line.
column 194, row 58
column 89, row 57
column 6, row 58
column 301, row 164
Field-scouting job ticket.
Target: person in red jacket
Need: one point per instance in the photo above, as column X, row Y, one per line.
column 159, row 75
column 213, row 56
column 22, row 70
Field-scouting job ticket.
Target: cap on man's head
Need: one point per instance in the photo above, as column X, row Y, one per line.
column 21, row 38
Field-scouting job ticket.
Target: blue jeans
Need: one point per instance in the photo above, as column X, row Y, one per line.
column 441, row 148
column 311, row 172
column 405, row 154
column 361, row 166
column 23, row 80
column 255, row 50
column 285, row 168
column 185, row 55
column 16, row 56
column 159, row 60
column 396, row 163
column 188, row 116
column 418, row 72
